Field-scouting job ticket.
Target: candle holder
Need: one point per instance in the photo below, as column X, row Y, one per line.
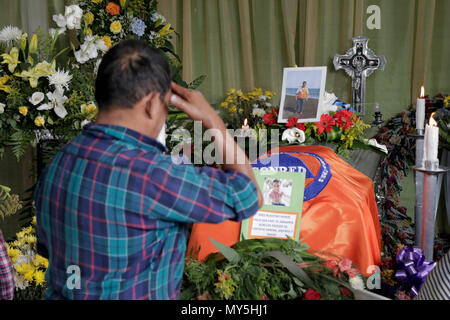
column 425, row 225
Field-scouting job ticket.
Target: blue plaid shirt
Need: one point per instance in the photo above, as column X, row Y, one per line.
column 113, row 204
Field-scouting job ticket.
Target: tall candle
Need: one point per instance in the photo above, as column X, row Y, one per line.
column 420, row 110
column 431, row 142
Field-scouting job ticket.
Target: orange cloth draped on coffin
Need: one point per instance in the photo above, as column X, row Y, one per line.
column 342, row 219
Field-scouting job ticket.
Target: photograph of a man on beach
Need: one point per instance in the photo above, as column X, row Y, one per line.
column 302, row 92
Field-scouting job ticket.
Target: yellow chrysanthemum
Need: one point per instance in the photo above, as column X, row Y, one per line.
column 88, row 32
column 40, row 261
column 115, row 27
column 26, row 270
column 13, row 254
column 27, row 230
column 231, row 91
column 89, row 18
column 23, row 111
column 107, row 41
column 39, row 277
column 233, row 109
column 224, row 104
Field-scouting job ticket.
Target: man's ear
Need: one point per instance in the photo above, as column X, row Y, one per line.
column 150, row 105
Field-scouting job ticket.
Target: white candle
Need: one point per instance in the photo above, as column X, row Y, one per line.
column 420, row 110
column 431, row 142
column 245, row 127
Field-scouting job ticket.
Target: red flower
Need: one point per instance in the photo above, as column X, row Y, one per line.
column 271, row 118
column 344, row 119
column 293, row 122
column 311, row 294
column 326, row 123
column 345, row 291
column 352, row 272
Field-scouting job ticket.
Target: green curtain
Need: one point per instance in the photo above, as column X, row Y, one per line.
column 247, row 43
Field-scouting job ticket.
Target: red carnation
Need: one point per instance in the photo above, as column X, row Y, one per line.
column 311, row 294
column 345, row 291
column 344, row 119
column 326, row 123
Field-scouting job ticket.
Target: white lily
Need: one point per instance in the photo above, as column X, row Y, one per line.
column 60, row 20
column 293, row 135
column 56, row 102
column 2, row 107
column 36, row 98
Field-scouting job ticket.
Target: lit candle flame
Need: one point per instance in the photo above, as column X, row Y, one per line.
column 422, row 92
column 245, row 122
column 433, row 122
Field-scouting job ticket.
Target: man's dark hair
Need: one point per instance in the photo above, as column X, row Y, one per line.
column 128, row 72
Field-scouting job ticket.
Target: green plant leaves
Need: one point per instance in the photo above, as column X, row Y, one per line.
column 229, row 253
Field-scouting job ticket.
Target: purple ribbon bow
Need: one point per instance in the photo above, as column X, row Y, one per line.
column 412, row 269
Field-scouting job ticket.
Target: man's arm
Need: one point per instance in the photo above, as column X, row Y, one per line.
column 198, row 109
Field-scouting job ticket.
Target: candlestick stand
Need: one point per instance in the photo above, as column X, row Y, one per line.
column 432, row 183
column 419, row 136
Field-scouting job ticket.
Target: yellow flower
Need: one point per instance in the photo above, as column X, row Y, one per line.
column 39, row 277
column 96, row 1
column 224, row 104
column 89, row 108
column 28, row 230
column 447, row 101
column 231, row 91
column 40, row 261
column 33, row 221
column 88, row 32
column 39, row 121
column 33, row 44
column 26, row 270
column 4, row 87
column 40, row 70
column 107, row 41
column 89, row 18
column 23, row 41
column 165, row 30
column 11, row 59
column 23, row 110
column 13, row 254
column 115, row 27
column 233, row 109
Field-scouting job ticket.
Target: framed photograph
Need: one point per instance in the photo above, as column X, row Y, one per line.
column 302, row 94
column 280, row 215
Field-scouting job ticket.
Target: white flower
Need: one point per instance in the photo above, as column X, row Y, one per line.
column 36, row 98
column 258, row 112
column 357, row 283
column 268, row 104
column 60, row 20
column 157, row 16
column 2, row 107
column 9, row 35
column 56, row 102
column 262, row 98
column 60, row 79
column 73, row 15
column 84, row 122
column 58, row 31
column 293, row 135
column 88, row 50
column 100, row 45
column 374, row 143
column 327, row 104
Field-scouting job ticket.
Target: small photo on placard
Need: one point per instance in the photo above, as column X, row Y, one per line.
column 277, row 192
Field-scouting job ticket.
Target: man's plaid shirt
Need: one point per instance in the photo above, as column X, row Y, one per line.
column 114, row 204
column 6, row 272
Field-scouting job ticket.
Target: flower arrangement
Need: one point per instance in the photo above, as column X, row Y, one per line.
column 237, row 107
column 29, row 267
column 261, row 269
column 35, row 92
column 9, row 203
column 40, row 96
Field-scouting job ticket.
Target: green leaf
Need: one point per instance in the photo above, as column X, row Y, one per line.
column 230, row 254
column 292, row 267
